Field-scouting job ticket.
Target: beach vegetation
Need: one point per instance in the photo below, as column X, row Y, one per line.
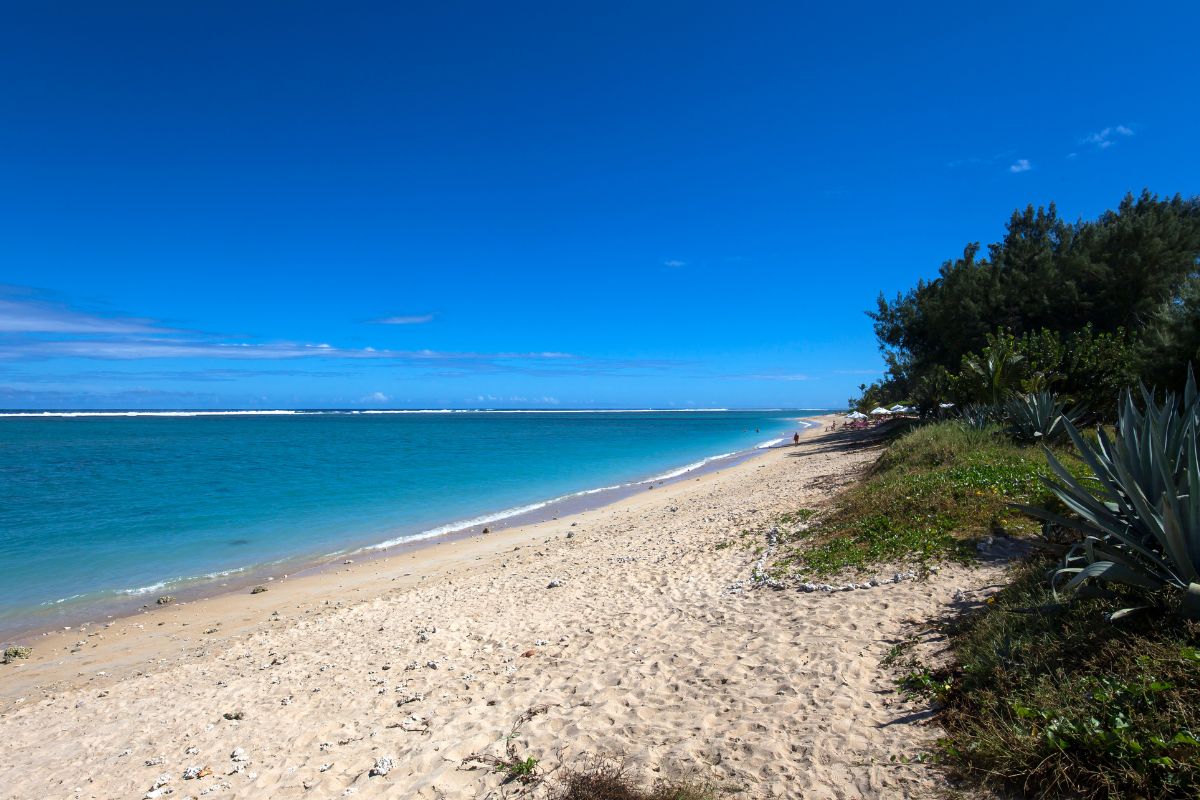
column 799, row 516
column 524, row 770
column 519, row 769
column 607, row 779
column 14, row 652
column 1054, row 688
column 924, row 682
column 894, row 653
column 935, row 493
column 1081, row 308
column 1138, row 511
column 1040, row 417
column 992, row 374
column 1053, row 700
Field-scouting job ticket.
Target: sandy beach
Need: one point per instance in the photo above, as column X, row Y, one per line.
column 627, row 631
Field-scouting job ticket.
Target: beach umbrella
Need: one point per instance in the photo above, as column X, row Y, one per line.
column 880, row 411
column 899, row 409
column 856, row 415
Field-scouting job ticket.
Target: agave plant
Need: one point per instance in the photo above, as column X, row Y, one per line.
column 1140, row 513
column 977, row 416
column 1039, row 417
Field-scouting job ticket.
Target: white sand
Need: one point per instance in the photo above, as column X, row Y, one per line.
column 642, row 651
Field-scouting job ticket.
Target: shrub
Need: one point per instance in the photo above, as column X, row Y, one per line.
column 1140, row 513
column 13, row 653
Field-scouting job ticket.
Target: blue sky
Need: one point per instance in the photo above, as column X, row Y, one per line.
column 536, row 204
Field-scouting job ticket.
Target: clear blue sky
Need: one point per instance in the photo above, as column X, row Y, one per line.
column 296, row 204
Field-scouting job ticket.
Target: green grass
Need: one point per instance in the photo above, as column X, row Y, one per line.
column 1058, row 702
column 935, row 491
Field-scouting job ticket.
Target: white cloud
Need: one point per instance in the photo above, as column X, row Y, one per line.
column 1107, row 137
column 674, row 263
column 33, row 329
column 1021, row 165
column 33, row 316
column 374, row 397
column 144, row 348
column 413, row 319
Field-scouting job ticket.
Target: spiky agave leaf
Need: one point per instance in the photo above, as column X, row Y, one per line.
column 1039, row 417
column 977, row 416
column 1140, row 512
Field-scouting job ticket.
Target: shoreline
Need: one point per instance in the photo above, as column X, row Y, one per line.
column 187, row 590
column 183, row 412
column 631, row 631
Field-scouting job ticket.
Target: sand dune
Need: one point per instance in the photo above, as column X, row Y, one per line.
column 642, row 650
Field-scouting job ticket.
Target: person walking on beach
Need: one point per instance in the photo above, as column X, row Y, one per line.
column 795, row 438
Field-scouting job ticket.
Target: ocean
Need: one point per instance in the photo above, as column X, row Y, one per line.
column 102, row 512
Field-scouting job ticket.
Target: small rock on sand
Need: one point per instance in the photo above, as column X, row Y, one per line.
column 258, row 589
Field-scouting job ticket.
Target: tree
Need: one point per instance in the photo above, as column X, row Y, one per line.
column 1122, row 272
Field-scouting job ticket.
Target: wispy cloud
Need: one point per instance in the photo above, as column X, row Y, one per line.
column 130, row 349
column 1020, row 165
column 776, row 377
column 413, row 319
column 171, row 376
column 374, row 397
column 23, row 397
column 674, row 263
column 1107, row 137
column 33, row 330
column 28, row 315
column 492, row 398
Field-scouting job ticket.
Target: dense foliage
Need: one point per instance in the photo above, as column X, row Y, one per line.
column 1139, row 510
column 1057, row 702
column 1053, row 305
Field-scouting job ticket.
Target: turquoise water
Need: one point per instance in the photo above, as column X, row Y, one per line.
column 99, row 508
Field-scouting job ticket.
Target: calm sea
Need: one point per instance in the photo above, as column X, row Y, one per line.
column 99, row 509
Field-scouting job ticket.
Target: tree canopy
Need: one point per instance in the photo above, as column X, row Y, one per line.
column 1131, row 274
